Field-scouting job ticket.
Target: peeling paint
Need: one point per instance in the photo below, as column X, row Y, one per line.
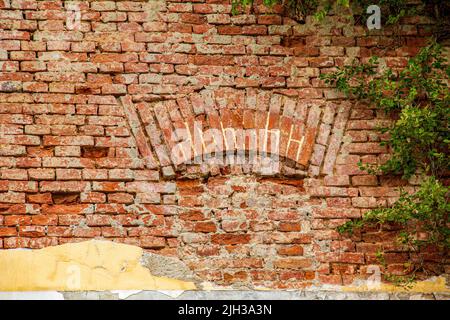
column 91, row 265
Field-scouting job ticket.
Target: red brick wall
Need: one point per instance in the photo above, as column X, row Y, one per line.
column 88, row 113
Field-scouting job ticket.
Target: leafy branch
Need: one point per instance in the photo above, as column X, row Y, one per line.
column 392, row 10
column 419, row 97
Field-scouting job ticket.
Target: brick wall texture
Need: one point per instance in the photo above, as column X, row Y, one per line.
column 107, row 107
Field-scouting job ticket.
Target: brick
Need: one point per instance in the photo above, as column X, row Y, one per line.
column 68, row 140
column 103, row 5
column 366, row 148
column 31, row 231
column 18, row 186
column 33, row 66
column 151, row 242
column 364, row 180
column 14, row 220
column 337, row 180
column 8, row 232
column 120, row 198
column 67, row 151
column 92, row 197
column 67, row 209
column 205, row 227
column 290, row 251
column 12, row 197
column 84, row 232
column 14, row 174
column 230, row 238
column 60, row 186
column 345, row 257
column 290, row 226
column 292, row 263
column 68, row 174
column 233, row 225
column 40, row 198
column 366, row 202
column 337, row 213
column 45, row 220
column 95, row 174
column 41, row 174
column 70, row 219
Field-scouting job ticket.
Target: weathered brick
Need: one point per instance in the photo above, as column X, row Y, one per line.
column 230, row 238
column 293, row 263
column 88, row 119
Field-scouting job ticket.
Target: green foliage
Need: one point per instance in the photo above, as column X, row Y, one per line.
column 405, row 281
column 237, row 4
column 293, row 7
column 392, row 10
column 423, row 216
column 420, row 96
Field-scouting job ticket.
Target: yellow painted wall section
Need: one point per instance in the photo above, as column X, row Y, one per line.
column 91, row 265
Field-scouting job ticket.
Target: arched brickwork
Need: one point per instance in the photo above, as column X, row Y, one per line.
column 173, row 133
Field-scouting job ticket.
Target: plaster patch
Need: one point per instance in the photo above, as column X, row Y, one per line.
column 170, row 267
column 91, row 265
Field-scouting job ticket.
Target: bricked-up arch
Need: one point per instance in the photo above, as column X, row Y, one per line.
column 264, row 128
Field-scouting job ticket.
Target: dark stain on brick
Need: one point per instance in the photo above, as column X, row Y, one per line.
column 66, row 198
column 94, row 152
column 293, row 41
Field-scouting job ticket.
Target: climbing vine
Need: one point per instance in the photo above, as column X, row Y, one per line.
column 392, row 10
column 419, row 98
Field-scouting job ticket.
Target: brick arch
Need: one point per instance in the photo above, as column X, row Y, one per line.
column 260, row 131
